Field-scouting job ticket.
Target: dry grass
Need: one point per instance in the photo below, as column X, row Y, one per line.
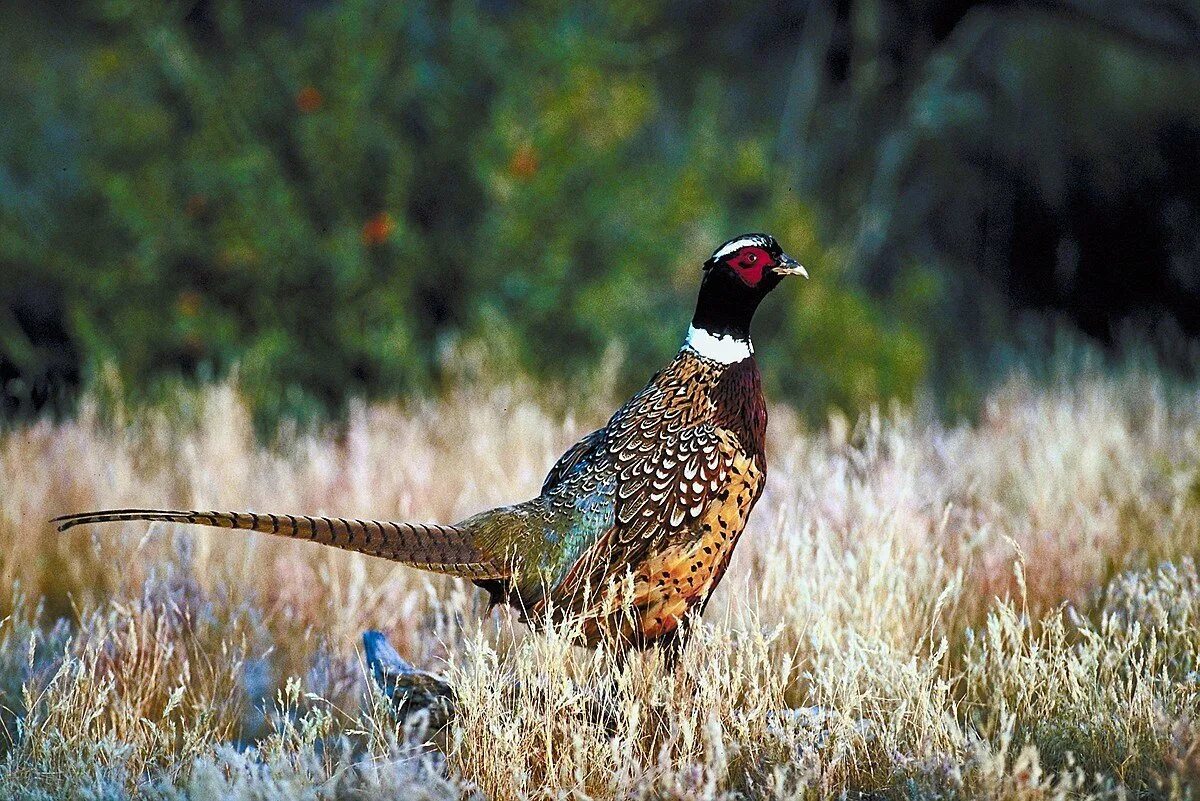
column 1004, row 610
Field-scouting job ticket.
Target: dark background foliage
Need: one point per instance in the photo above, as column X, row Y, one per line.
column 331, row 197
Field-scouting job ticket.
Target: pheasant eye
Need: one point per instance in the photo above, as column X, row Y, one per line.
column 751, row 257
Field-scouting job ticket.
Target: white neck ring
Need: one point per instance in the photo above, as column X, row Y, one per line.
column 720, row 348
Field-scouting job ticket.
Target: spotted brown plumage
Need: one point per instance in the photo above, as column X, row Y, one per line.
column 634, row 525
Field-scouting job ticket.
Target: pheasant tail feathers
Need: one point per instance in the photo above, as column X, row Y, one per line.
column 441, row 549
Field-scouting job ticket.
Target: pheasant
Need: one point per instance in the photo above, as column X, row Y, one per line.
column 635, row 525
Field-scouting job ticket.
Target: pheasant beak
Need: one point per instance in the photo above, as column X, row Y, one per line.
column 789, row 266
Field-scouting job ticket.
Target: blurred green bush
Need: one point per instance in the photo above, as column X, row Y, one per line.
column 331, row 200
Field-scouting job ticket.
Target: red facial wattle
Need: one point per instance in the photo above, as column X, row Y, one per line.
column 749, row 264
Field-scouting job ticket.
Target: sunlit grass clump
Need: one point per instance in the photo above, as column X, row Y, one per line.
column 1006, row 609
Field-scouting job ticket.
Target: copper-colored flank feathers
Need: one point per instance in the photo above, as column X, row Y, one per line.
column 635, row 525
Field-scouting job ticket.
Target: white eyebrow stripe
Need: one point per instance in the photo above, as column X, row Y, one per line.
column 737, row 244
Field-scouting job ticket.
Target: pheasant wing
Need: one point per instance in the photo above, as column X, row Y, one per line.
column 578, row 455
column 667, row 462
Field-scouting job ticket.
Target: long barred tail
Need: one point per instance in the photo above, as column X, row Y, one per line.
column 441, row 549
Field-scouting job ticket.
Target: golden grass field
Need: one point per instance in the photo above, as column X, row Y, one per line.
column 1004, row 609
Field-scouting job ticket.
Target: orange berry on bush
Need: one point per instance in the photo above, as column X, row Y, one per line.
column 524, row 162
column 378, row 229
column 309, row 99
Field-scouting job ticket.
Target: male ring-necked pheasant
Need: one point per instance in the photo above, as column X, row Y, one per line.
column 636, row 523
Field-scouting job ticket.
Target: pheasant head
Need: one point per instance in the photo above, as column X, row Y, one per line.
column 738, row 275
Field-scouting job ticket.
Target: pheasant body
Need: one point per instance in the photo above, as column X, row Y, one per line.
column 635, row 525
column 638, row 525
